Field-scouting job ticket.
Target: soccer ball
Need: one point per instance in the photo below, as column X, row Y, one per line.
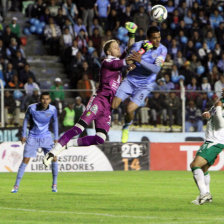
column 158, row 13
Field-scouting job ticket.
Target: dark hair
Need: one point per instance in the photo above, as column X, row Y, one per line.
column 44, row 94
column 152, row 29
column 107, row 45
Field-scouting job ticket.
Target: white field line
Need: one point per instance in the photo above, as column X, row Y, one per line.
column 173, row 220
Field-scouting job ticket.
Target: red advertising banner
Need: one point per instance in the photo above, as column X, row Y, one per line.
column 177, row 156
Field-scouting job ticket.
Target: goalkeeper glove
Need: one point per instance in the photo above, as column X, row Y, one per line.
column 131, row 27
column 146, row 45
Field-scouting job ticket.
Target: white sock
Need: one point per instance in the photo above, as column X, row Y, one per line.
column 57, row 149
column 72, row 143
column 207, row 182
column 200, row 180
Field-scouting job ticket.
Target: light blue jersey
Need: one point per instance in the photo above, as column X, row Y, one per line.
column 143, row 75
column 141, row 81
column 40, row 120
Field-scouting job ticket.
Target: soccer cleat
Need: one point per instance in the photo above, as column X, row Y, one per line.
column 54, row 188
column 196, row 201
column 125, row 134
column 15, row 189
column 205, row 198
column 48, row 159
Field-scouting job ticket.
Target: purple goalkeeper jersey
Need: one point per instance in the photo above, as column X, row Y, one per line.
column 110, row 76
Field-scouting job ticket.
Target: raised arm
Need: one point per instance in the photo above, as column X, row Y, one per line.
column 114, row 64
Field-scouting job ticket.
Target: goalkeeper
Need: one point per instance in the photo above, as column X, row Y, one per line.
column 148, row 57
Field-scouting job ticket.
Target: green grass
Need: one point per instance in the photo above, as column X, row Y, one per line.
column 109, row 197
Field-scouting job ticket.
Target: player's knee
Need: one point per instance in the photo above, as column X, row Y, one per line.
column 115, row 103
column 100, row 138
column 192, row 165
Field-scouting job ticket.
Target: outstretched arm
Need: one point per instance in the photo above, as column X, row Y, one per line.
column 114, row 64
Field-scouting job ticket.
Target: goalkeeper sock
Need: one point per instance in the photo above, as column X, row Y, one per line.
column 65, row 138
column 54, row 172
column 207, row 181
column 20, row 173
column 199, row 179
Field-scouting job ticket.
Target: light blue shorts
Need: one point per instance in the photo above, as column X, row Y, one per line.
column 136, row 94
column 32, row 145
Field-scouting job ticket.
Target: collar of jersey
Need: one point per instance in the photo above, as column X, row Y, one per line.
column 39, row 107
column 110, row 57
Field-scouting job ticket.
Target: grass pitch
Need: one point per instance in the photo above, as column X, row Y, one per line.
column 109, row 197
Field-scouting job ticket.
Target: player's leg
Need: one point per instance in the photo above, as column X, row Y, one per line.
column 207, row 179
column 137, row 100
column 20, row 174
column 102, row 124
column 206, row 155
column 30, row 150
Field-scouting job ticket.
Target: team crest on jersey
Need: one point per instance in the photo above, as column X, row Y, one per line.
column 94, row 108
column 109, row 122
column 48, row 114
column 88, row 113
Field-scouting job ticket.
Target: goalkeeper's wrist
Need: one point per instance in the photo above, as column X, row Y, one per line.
column 131, row 35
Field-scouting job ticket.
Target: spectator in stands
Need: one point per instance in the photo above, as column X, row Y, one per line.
column 94, row 25
column 52, row 33
column 203, row 102
column 68, row 24
column 195, row 63
column 203, row 52
column 97, row 39
column 173, row 104
column 79, row 108
column 221, row 64
column 38, row 8
column 29, row 87
column 161, row 85
column 113, row 21
column 82, row 41
column 180, row 59
column 13, row 48
column 57, row 94
column 53, row 8
column 15, row 28
column 217, row 52
column 80, row 26
column 14, row 83
column 2, row 49
column 19, row 61
column 219, row 34
column 169, row 84
column 86, row 87
column 210, row 40
column 70, row 10
column 141, row 18
column 60, row 19
column 68, row 117
column 7, row 36
column 102, row 10
column 168, row 64
column 193, row 87
column 213, row 76
column 156, row 105
column 9, row 73
column 10, row 108
column 46, row 16
column 87, row 9
column 205, row 86
column 140, row 35
column 193, row 118
column 219, row 85
column 215, row 19
column 65, row 40
column 26, row 73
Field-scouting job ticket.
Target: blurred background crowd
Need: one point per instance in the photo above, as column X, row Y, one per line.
column 76, row 30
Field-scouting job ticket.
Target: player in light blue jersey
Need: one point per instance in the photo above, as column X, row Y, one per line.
column 39, row 116
column 141, row 80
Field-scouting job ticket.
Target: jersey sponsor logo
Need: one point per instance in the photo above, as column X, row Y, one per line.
column 88, row 113
column 94, row 109
column 48, row 114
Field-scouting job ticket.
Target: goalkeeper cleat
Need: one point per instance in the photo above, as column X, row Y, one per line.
column 125, row 134
column 54, row 188
column 15, row 189
column 205, row 198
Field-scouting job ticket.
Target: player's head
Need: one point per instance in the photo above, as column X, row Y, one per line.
column 111, row 47
column 45, row 99
column 153, row 34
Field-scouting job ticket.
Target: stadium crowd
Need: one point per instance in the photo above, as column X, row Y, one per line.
column 76, row 30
